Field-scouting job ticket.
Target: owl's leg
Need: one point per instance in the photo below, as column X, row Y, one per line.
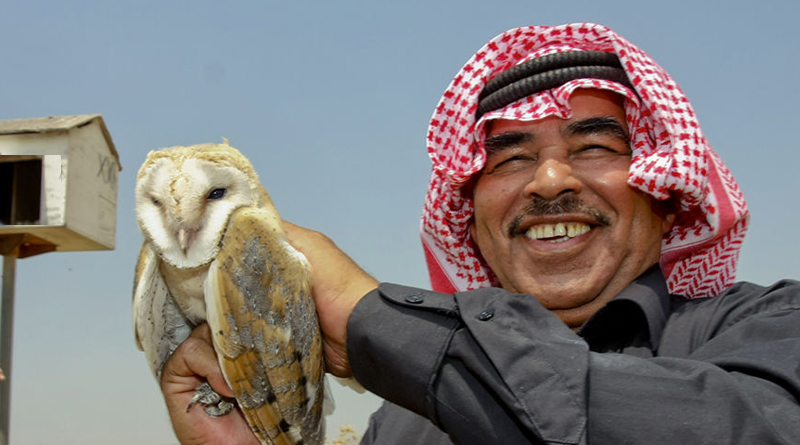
column 215, row 405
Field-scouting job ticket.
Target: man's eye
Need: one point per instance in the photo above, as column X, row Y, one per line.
column 594, row 148
column 511, row 163
column 598, row 151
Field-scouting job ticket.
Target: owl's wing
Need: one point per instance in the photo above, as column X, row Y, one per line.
column 158, row 322
column 265, row 329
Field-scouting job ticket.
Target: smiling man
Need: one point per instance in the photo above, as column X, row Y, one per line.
column 554, row 214
column 582, row 238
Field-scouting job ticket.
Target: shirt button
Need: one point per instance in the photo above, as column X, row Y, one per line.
column 486, row 315
column 415, row 299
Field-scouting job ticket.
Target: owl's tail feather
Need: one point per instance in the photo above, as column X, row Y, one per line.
column 258, row 405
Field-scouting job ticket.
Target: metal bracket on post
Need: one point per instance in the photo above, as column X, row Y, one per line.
column 9, row 249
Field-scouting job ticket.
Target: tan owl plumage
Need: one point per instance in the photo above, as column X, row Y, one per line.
column 215, row 250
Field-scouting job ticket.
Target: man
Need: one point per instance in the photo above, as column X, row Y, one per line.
column 569, row 170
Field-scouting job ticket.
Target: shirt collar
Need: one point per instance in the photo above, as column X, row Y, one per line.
column 633, row 318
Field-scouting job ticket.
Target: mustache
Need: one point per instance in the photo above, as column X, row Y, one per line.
column 566, row 204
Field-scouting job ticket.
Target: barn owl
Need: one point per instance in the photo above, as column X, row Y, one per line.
column 215, row 251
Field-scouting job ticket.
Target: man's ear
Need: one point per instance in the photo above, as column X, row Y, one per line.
column 667, row 210
column 667, row 222
column 472, row 230
column 468, row 192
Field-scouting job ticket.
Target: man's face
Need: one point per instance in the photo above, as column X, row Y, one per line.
column 554, row 215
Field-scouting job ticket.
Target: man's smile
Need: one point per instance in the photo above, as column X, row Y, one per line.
column 558, row 232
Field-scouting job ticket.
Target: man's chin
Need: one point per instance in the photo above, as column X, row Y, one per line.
column 574, row 318
column 572, row 304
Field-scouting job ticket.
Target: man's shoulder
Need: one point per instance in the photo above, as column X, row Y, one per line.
column 743, row 299
column 743, row 302
column 744, row 314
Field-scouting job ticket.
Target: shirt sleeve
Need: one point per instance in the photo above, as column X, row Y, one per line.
column 487, row 366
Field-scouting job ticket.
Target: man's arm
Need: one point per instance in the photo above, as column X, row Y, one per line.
column 491, row 367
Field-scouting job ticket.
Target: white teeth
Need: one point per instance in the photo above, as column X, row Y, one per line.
column 564, row 230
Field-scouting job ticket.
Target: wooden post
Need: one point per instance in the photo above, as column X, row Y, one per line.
column 6, row 341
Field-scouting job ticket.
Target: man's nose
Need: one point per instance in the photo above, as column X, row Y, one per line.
column 553, row 178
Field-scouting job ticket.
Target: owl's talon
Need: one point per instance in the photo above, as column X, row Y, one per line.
column 220, row 409
column 215, row 405
column 192, row 402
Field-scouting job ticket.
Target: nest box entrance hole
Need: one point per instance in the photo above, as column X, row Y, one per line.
column 20, row 192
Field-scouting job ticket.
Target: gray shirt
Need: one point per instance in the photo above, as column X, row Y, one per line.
column 490, row 367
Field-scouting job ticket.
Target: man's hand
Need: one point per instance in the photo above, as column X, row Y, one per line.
column 192, row 363
column 338, row 283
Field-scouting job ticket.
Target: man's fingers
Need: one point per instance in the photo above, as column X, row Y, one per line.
column 194, row 359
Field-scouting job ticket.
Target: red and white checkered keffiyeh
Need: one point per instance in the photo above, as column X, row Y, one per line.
column 671, row 159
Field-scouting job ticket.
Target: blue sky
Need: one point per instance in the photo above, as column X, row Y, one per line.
column 330, row 100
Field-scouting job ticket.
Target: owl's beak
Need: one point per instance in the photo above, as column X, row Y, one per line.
column 185, row 238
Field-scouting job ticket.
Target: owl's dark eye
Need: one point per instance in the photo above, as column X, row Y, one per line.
column 155, row 202
column 217, row 193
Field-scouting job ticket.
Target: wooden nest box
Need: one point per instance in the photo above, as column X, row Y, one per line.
column 58, row 185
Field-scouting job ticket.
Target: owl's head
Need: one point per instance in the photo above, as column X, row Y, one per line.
column 185, row 195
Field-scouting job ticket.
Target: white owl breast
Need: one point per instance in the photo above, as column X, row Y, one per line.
column 186, row 286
